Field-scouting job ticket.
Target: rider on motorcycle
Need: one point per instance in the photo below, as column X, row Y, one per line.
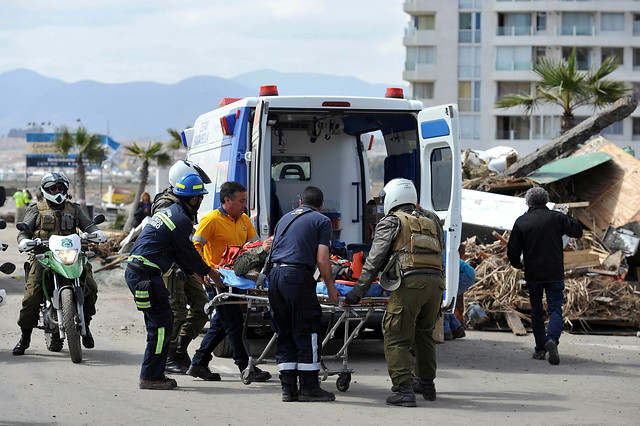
column 55, row 215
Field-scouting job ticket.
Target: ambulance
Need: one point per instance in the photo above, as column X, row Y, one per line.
column 278, row 145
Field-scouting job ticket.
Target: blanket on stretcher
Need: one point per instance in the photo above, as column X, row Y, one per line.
column 230, row 278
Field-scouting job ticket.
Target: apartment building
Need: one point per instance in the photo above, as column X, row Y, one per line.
column 476, row 51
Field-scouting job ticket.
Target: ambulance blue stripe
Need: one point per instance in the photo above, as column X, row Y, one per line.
column 435, row 129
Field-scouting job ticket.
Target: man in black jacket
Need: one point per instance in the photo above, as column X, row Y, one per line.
column 537, row 236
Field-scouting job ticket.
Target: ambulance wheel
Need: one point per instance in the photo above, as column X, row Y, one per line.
column 343, row 381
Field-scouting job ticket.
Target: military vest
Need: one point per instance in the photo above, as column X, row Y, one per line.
column 167, row 199
column 56, row 222
column 419, row 244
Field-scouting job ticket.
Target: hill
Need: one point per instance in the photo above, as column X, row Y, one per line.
column 140, row 111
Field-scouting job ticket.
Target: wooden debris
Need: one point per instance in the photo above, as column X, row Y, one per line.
column 500, row 290
column 515, row 324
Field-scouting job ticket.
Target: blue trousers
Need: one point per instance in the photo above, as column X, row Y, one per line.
column 227, row 321
column 555, row 298
column 450, row 323
column 159, row 323
column 297, row 320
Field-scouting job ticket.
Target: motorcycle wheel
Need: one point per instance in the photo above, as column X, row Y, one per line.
column 69, row 314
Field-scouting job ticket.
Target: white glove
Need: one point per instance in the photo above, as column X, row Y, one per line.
column 97, row 236
column 25, row 244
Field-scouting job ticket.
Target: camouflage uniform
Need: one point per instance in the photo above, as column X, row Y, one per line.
column 42, row 220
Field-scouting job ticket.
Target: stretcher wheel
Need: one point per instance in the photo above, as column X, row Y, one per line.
column 343, row 381
column 247, row 376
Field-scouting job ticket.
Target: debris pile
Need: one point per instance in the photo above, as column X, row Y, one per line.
column 593, row 293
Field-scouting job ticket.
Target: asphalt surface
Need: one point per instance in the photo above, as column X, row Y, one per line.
column 484, row 378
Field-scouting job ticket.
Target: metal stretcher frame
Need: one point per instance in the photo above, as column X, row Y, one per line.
column 358, row 314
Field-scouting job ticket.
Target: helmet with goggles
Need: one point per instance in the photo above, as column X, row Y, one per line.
column 54, row 187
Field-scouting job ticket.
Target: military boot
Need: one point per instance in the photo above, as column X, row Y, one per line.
column 404, row 398
column 173, row 364
column 24, row 342
column 87, row 339
column 425, row 387
column 181, row 351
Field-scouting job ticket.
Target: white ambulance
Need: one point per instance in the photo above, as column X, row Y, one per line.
column 278, row 145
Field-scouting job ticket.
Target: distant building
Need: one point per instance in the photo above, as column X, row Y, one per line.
column 474, row 52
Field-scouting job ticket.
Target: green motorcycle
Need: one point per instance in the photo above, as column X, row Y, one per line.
column 62, row 308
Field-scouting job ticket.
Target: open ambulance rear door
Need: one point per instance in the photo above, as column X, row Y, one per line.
column 259, row 179
column 441, row 183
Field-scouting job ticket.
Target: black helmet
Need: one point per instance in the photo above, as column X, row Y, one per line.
column 51, row 179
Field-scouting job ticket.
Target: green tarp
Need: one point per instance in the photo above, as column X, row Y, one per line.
column 566, row 167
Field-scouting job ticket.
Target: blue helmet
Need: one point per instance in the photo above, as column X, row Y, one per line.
column 189, row 185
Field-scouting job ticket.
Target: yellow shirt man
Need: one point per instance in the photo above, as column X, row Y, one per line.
column 219, row 229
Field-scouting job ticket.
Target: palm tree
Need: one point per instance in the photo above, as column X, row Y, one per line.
column 87, row 147
column 176, row 139
column 560, row 83
column 152, row 153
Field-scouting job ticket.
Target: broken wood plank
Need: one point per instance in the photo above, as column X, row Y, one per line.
column 603, row 272
column 499, row 237
column 578, row 259
column 112, row 264
column 515, row 324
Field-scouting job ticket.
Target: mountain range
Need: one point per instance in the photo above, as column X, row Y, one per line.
column 142, row 111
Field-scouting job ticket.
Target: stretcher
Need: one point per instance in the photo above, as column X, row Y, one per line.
column 349, row 319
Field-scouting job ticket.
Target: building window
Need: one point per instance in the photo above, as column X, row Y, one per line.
column 576, row 24
column 469, row 96
column 583, row 57
column 612, row 22
column 616, row 128
column 469, row 4
column 539, row 52
column 635, row 90
column 424, row 22
column 423, row 90
column 513, row 88
column 545, row 127
column 541, row 22
column 514, row 24
column 513, row 128
column 636, row 128
column 513, row 58
column 636, row 24
column 420, row 55
column 469, row 61
column 636, row 59
column 470, row 126
column 469, row 28
column 615, row 52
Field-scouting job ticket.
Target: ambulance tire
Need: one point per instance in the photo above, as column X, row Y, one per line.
column 223, row 350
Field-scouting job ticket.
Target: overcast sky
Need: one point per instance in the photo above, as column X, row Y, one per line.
column 165, row 41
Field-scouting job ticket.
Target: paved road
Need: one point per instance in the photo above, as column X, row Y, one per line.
column 485, row 378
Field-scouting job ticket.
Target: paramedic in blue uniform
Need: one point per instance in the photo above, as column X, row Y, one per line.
column 163, row 241
column 301, row 241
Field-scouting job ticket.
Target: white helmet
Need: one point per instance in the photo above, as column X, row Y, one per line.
column 51, row 179
column 397, row 192
column 183, row 167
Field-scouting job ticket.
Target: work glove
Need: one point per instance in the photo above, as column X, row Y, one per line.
column 26, row 244
column 351, row 298
column 96, row 237
column 143, row 295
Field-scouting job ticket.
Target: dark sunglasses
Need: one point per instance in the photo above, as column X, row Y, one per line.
column 60, row 188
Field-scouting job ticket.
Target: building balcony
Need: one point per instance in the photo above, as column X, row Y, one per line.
column 469, row 36
column 575, row 30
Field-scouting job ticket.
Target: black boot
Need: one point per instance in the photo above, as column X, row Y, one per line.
column 23, row 343
column 87, row 339
column 425, row 387
column 174, row 365
column 404, row 398
column 181, row 351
